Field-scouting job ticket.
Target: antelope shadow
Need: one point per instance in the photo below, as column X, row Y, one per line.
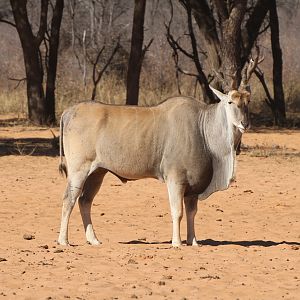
column 29, row 146
column 210, row 242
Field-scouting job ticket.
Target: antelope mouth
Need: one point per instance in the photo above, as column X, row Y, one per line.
column 241, row 128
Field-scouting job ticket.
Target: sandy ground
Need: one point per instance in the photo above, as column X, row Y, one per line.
column 249, row 235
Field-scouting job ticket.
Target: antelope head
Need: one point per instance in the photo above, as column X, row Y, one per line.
column 237, row 100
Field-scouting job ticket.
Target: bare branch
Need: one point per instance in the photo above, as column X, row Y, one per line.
column 45, row 41
column 207, row 92
column 253, row 25
column 260, row 75
column 201, row 78
column 192, row 37
column 186, row 72
column 221, row 78
column 84, row 59
column 97, row 77
column 176, row 61
column 18, row 80
column 264, row 29
column 96, row 63
column 72, row 15
column 146, row 48
column 174, row 43
column 248, row 70
column 221, row 9
column 117, row 16
column 43, row 22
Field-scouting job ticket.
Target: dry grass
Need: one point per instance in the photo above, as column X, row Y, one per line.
column 112, row 90
column 14, row 101
column 21, row 149
column 264, row 150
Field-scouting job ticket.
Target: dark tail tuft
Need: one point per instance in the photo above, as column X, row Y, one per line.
column 63, row 169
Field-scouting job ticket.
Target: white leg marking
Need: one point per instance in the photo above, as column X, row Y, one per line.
column 85, row 210
column 191, row 204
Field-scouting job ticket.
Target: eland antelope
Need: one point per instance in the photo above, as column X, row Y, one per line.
column 187, row 144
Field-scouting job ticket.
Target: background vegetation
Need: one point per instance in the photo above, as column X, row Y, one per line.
column 89, row 25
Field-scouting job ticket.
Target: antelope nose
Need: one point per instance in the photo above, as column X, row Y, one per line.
column 246, row 124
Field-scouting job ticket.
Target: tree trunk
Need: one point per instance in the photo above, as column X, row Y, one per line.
column 52, row 61
column 33, row 66
column 41, row 108
column 280, row 115
column 223, row 42
column 136, row 53
column 231, row 44
column 35, row 91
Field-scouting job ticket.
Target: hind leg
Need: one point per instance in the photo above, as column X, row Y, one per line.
column 191, row 204
column 90, row 189
column 72, row 192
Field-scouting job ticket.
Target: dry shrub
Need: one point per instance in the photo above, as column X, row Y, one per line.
column 13, row 101
column 292, row 95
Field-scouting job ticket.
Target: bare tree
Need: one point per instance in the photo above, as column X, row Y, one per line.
column 194, row 55
column 41, row 104
column 95, row 37
column 227, row 32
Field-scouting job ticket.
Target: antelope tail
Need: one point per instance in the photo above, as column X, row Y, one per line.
column 62, row 166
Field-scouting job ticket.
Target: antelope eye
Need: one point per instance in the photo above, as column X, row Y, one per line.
column 229, row 102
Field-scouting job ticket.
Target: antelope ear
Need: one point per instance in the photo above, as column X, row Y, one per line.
column 220, row 95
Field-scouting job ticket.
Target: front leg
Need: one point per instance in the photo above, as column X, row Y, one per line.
column 191, row 204
column 176, row 192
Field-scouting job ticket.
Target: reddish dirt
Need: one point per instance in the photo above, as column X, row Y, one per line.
column 249, row 235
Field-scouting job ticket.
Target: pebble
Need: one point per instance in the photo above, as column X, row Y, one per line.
column 132, row 261
column 44, row 246
column 58, row 251
column 28, row 237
